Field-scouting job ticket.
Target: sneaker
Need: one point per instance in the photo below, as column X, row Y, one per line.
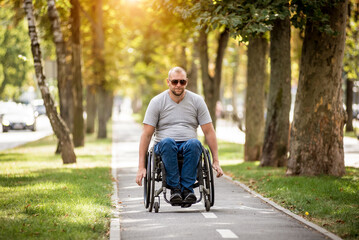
column 189, row 197
column 176, row 197
column 186, row 205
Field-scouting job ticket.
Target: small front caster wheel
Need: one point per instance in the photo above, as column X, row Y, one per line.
column 156, row 206
column 207, row 204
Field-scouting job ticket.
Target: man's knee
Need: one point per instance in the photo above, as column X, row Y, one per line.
column 167, row 144
column 194, row 145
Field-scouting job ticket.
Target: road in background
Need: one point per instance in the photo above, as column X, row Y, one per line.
column 15, row 138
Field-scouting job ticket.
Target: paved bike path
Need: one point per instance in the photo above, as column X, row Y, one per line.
column 236, row 213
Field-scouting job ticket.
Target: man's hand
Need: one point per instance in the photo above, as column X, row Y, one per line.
column 218, row 169
column 141, row 173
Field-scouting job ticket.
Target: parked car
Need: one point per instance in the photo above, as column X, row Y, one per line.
column 39, row 107
column 18, row 117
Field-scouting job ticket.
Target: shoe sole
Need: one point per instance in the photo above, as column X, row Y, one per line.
column 190, row 199
column 176, row 200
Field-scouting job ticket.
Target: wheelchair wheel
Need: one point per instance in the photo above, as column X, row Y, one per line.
column 208, row 178
column 152, row 181
column 147, row 181
column 157, row 207
column 207, row 204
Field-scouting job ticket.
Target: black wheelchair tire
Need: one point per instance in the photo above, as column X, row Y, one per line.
column 152, row 175
column 157, row 207
column 207, row 205
column 147, row 181
column 209, row 181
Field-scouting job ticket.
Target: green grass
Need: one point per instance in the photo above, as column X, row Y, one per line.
column 330, row 202
column 40, row 198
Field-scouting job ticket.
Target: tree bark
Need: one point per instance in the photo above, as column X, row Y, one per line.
column 78, row 131
column 99, row 66
column 316, row 145
column 256, row 75
column 91, row 109
column 64, row 84
column 235, row 114
column 102, row 113
column 193, row 71
column 211, row 85
column 58, row 125
column 349, row 104
column 275, row 146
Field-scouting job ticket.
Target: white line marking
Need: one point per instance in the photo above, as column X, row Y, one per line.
column 226, row 233
column 209, row 215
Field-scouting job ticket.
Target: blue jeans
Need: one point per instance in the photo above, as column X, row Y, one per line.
column 167, row 148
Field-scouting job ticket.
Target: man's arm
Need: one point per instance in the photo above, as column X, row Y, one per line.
column 211, row 139
column 145, row 140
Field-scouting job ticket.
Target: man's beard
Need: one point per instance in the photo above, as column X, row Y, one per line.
column 177, row 94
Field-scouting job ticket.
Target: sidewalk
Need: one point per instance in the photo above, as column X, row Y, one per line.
column 238, row 212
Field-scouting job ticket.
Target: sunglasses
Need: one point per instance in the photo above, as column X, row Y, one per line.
column 175, row 82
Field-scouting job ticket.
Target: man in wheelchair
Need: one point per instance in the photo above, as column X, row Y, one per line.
column 173, row 117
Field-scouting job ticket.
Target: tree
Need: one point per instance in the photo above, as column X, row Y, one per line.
column 275, row 146
column 79, row 125
column 250, row 20
column 211, row 83
column 14, row 54
column 58, row 125
column 99, row 67
column 64, row 79
column 316, row 144
column 351, row 60
column 256, row 76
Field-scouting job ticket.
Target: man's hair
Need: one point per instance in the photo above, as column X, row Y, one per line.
column 176, row 70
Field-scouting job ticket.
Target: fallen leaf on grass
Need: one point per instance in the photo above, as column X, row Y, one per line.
column 340, row 221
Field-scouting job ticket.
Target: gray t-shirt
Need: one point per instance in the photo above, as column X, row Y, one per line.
column 178, row 121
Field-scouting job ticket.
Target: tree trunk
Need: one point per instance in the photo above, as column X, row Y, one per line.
column 235, row 114
column 102, row 113
column 256, row 75
column 349, row 104
column 78, row 131
column 193, row 72
column 99, row 66
column 207, row 80
column 316, row 145
column 275, row 146
column 64, row 84
column 58, row 125
column 109, row 105
column 91, row 109
column 234, row 81
column 211, row 85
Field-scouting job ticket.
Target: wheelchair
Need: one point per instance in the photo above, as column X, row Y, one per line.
column 155, row 180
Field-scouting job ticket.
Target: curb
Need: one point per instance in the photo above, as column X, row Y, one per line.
column 115, row 228
column 286, row 211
